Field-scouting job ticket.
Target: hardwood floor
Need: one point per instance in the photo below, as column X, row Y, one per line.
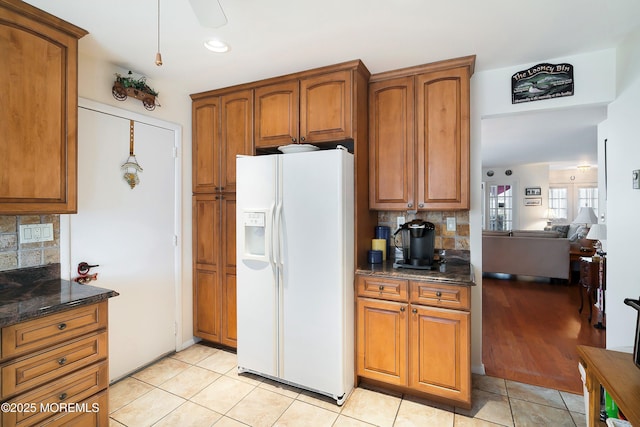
column 530, row 332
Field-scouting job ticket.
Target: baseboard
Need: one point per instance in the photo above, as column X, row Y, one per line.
column 478, row 369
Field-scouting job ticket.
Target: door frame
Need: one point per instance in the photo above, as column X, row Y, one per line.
column 65, row 244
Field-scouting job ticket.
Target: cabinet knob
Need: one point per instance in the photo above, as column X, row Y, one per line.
column 414, row 311
column 421, row 205
column 410, row 205
column 402, row 309
column 381, row 287
column 303, row 139
column 62, row 361
column 438, row 294
column 62, row 326
column 62, row 396
column 294, row 140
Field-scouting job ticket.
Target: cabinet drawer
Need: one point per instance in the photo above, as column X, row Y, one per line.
column 389, row 289
column 29, row 372
column 437, row 295
column 91, row 412
column 36, row 334
column 69, row 389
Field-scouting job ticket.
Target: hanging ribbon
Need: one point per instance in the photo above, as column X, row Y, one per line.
column 131, row 166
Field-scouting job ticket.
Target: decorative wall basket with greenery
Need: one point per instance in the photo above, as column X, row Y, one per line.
column 136, row 88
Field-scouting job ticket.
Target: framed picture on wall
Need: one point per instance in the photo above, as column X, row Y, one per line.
column 533, row 201
column 533, row 191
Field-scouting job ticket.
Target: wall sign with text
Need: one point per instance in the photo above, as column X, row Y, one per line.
column 542, row 81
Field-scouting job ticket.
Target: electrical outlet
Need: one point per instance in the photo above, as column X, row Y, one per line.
column 451, row 223
column 33, row 233
column 399, row 221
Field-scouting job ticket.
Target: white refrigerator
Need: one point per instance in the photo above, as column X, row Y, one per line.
column 295, row 267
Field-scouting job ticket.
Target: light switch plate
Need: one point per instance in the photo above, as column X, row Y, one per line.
column 635, row 175
column 451, row 223
column 399, row 221
column 33, row 233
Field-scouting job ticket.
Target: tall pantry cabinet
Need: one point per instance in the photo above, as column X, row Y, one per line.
column 222, row 128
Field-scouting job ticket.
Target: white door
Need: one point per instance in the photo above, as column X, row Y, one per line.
column 129, row 233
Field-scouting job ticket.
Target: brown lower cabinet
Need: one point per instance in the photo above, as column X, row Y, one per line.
column 418, row 344
column 214, row 290
column 56, row 362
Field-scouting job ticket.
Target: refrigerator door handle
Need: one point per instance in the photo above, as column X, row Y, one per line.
column 279, row 236
column 270, row 233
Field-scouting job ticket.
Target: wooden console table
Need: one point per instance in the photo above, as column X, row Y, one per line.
column 617, row 373
column 592, row 276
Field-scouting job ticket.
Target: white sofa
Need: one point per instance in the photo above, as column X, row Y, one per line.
column 526, row 252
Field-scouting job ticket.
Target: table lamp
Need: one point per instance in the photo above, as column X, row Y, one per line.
column 598, row 232
column 586, row 216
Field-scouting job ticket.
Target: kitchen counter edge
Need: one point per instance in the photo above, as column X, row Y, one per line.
column 455, row 273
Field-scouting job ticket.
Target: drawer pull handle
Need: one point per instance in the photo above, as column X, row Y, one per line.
column 62, row 361
column 62, row 396
column 438, row 294
column 402, row 309
column 62, row 326
column 381, row 287
column 414, row 311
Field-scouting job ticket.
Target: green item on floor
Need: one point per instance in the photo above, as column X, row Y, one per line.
column 610, row 406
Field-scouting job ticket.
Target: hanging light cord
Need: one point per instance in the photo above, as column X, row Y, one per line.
column 158, row 55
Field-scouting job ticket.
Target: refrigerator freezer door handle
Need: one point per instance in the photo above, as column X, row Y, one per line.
column 279, row 236
column 270, row 233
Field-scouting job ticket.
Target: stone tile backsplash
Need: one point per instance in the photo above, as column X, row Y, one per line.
column 14, row 255
column 458, row 240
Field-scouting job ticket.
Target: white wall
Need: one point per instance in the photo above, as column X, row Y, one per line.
column 623, row 202
column 96, row 79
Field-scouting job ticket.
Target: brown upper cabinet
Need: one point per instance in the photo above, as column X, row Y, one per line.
column 307, row 110
column 419, row 137
column 222, row 129
column 39, row 103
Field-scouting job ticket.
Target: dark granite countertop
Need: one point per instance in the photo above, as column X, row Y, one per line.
column 454, row 271
column 29, row 293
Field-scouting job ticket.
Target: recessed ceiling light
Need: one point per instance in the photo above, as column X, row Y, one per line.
column 216, row 45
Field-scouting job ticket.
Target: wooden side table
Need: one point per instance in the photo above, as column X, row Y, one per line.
column 617, row 373
column 591, row 276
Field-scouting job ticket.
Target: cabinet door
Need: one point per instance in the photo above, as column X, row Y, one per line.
column 277, row 114
column 229, row 329
column 382, row 341
column 325, row 107
column 391, row 144
column 237, row 134
column 206, row 143
column 442, row 102
column 439, row 352
column 39, row 103
column 206, row 276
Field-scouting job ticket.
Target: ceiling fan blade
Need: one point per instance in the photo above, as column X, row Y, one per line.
column 209, row 13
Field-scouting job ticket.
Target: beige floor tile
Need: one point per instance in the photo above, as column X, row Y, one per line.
column 114, row 423
column 579, row 419
column 161, row 371
column 221, row 362
column 463, row 421
column 245, row 377
column 222, row 394
column 321, row 401
column 261, row 408
column 416, row 414
column 489, row 407
column 574, row 402
column 535, row 394
column 229, row 422
column 189, row 415
column 529, row 414
column 432, row 403
column 147, row 409
column 126, row 391
column 189, row 382
column 490, row 384
column 195, row 353
column 284, row 389
column 301, row 414
column 344, row 421
column 372, row 407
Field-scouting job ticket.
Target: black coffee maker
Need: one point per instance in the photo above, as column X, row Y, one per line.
column 418, row 241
